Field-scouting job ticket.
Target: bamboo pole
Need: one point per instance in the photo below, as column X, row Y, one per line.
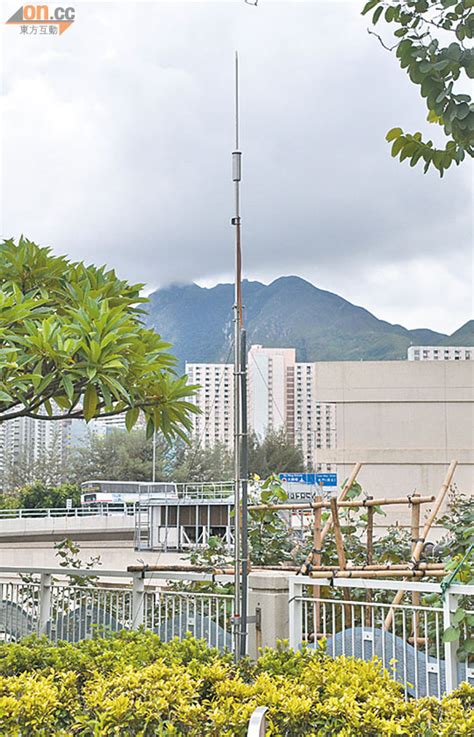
column 418, row 549
column 344, row 492
column 349, row 573
column 434, row 512
column 356, row 503
column 386, row 567
column 347, row 486
column 341, row 556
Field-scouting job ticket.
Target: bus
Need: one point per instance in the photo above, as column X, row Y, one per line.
column 120, row 496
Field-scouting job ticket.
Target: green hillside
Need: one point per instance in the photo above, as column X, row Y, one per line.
column 289, row 312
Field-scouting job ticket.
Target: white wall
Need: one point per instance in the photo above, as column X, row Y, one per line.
column 405, row 421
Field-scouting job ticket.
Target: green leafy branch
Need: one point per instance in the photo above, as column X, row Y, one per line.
column 73, row 344
column 421, row 27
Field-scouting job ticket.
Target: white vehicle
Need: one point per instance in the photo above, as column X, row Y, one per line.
column 116, row 495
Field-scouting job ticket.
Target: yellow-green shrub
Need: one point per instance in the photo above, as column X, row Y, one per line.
column 133, row 685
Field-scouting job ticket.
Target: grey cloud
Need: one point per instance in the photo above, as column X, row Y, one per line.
column 116, row 148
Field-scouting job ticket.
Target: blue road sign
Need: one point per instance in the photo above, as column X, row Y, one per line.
column 312, row 479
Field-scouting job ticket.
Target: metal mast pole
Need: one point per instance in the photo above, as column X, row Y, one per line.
column 244, row 465
column 236, row 177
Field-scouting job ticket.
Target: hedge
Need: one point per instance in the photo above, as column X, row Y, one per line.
column 132, row 684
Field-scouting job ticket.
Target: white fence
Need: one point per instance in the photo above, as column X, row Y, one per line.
column 101, row 510
column 44, row 601
column 356, row 618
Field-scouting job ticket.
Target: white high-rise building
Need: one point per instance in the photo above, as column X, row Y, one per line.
column 270, row 381
column 281, row 396
column 29, row 439
column 215, row 399
column 440, row 353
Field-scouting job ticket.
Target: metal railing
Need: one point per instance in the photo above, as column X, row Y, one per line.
column 102, row 510
column 208, row 490
column 356, row 618
column 146, row 493
column 76, row 604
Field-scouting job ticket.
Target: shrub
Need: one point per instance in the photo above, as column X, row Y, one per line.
column 133, row 685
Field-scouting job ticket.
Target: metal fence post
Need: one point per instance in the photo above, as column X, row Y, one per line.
column 44, row 602
column 295, row 618
column 138, row 600
column 257, row 725
column 450, row 648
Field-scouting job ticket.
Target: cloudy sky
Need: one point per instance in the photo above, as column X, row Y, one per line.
column 116, row 141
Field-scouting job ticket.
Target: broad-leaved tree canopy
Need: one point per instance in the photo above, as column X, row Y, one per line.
column 73, row 343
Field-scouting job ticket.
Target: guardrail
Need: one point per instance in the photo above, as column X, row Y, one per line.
column 351, row 615
column 75, row 604
column 85, row 511
column 206, row 490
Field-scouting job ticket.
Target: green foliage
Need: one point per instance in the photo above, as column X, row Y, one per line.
column 459, row 523
column 274, row 454
column 129, row 454
column 197, row 463
column 434, row 62
column 133, row 685
column 270, row 541
column 38, row 495
column 73, row 344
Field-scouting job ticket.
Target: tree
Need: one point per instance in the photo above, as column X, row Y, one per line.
column 39, row 495
column 73, row 344
column 430, row 44
column 195, row 463
column 274, row 454
column 119, row 455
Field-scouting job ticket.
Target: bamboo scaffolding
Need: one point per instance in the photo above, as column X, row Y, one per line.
column 418, row 549
column 355, row 503
column 344, row 491
column 349, row 573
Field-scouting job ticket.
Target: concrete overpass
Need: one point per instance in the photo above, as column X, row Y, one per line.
column 27, row 540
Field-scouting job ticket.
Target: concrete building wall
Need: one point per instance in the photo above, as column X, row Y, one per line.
column 405, row 421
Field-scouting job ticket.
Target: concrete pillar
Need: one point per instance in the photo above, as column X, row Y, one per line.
column 268, row 603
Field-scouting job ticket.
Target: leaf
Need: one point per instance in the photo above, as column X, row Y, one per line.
column 377, row 14
column 451, row 634
column 459, row 615
column 397, row 145
column 90, row 402
column 68, row 387
column 131, row 417
column 368, row 6
column 468, row 646
column 393, row 133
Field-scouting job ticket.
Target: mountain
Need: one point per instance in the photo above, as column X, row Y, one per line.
column 289, row 312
